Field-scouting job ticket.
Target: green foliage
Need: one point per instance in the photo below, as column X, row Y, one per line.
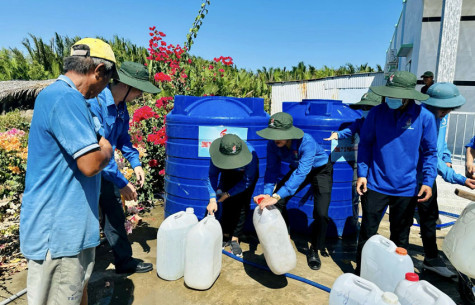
column 14, row 119
column 196, row 24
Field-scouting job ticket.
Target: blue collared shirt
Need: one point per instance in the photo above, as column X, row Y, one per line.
column 471, row 144
column 249, row 171
column 351, row 130
column 388, row 151
column 59, row 211
column 304, row 154
column 115, row 123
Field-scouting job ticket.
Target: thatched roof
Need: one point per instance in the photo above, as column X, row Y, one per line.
column 20, row 93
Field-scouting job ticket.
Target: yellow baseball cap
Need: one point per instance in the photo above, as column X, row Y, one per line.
column 97, row 48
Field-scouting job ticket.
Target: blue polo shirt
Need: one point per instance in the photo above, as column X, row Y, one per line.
column 354, row 128
column 471, row 144
column 388, row 151
column 115, row 126
column 303, row 155
column 59, row 211
column 250, row 172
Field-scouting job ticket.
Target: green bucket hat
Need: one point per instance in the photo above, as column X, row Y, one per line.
column 444, row 95
column 368, row 99
column 400, row 84
column 230, row 152
column 281, row 127
column 427, row 74
column 136, row 75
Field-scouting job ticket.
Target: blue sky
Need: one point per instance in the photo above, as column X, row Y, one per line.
column 255, row 33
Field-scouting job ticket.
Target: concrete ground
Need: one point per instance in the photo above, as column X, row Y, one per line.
column 238, row 283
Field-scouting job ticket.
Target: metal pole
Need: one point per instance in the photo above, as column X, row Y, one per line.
column 13, row 297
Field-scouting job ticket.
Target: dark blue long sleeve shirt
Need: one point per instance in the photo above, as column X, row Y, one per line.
column 388, row 151
column 351, row 130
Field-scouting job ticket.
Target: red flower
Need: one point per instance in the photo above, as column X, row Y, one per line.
column 162, row 77
column 143, row 113
column 153, row 163
column 221, row 70
column 162, row 34
column 145, row 64
column 162, row 172
column 151, row 34
column 211, row 67
column 163, row 43
column 152, row 28
column 189, row 61
column 183, row 75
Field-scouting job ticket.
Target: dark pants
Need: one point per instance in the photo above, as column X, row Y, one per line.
column 428, row 215
column 113, row 222
column 401, row 213
column 236, row 208
column 321, row 180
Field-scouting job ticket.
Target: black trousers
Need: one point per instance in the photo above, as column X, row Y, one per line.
column 113, row 222
column 401, row 213
column 428, row 215
column 321, row 180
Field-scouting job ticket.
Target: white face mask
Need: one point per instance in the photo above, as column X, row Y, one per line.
column 365, row 113
column 393, row 103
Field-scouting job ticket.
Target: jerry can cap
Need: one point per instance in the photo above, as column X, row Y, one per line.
column 390, row 298
column 190, row 210
column 412, row 277
column 401, row 251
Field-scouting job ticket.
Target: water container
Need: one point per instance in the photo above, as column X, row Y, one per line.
column 350, row 289
column 171, row 237
column 319, row 118
column 459, row 244
column 274, row 238
column 383, row 263
column 411, row 291
column 203, row 256
column 186, row 170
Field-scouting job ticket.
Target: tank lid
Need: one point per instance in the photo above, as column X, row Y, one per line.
column 390, row 298
column 190, row 210
column 401, row 251
column 411, row 276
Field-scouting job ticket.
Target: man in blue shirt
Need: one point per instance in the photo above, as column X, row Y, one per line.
column 111, row 110
column 309, row 163
column 469, row 157
column 235, row 164
column 59, row 226
column 444, row 97
column 393, row 138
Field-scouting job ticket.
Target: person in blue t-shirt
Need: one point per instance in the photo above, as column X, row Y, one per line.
column 233, row 173
column 393, row 138
column 111, row 110
column 59, row 226
column 469, row 157
column 367, row 102
column 309, row 164
column 444, row 97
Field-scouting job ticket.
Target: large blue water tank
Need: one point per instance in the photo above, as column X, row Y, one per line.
column 319, row 118
column 185, row 170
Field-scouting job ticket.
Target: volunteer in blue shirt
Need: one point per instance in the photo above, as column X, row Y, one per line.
column 393, row 138
column 309, row 164
column 444, row 97
column 469, row 157
column 233, row 173
column 59, row 227
column 367, row 102
column 111, row 110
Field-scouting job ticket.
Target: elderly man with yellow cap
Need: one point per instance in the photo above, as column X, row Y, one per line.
column 309, row 164
column 110, row 107
column 59, row 221
column 395, row 135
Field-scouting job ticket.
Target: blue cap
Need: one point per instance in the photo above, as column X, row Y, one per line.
column 444, row 95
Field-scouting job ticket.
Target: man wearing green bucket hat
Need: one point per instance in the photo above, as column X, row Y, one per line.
column 233, row 173
column 367, row 102
column 309, row 164
column 393, row 138
column 428, row 79
column 444, row 97
column 111, row 110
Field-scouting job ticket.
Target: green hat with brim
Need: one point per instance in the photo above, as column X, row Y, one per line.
column 229, row 152
column 368, row 99
column 427, row 74
column 281, row 127
column 136, row 75
column 400, row 84
column 444, row 95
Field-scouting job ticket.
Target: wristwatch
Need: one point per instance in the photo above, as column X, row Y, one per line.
column 276, row 196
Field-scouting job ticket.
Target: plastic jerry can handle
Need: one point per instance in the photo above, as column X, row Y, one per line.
column 430, row 291
column 362, row 284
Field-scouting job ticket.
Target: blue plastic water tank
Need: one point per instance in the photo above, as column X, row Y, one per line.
column 319, row 118
column 185, row 171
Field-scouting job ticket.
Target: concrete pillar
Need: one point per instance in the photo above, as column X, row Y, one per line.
column 448, row 41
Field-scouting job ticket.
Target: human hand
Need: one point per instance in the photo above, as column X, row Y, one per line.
column 224, row 196
column 427, row 190
column 128, row 192
column 258, row 197
column 470, row 183
column 470, row 170
column 212, row 206
column 333, row 136
column 448, row 164
column 140, row 174
column 361, row 184
column 263, row 202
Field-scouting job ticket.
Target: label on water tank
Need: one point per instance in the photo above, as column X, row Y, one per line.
column 345, row 149
column 207, row 134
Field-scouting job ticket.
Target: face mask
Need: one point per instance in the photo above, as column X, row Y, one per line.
column 394, row 103
column 365, row 113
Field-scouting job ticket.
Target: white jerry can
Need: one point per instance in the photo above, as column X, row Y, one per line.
column 274, row 238
column 411, row 291
column 203, row 256
column 171, row 237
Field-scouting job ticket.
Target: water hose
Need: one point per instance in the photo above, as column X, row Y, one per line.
column 13, row 297
column 442, row 225
column 289, row 275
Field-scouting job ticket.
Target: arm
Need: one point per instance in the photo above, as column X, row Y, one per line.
column 125, row 145
column 351, row 130
column 365, row 151
column 469, row 156
column 272, row 168
column 91, row 163
column 448, row 173
column 429, row 151
column 212, row 181
column 250, row 174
